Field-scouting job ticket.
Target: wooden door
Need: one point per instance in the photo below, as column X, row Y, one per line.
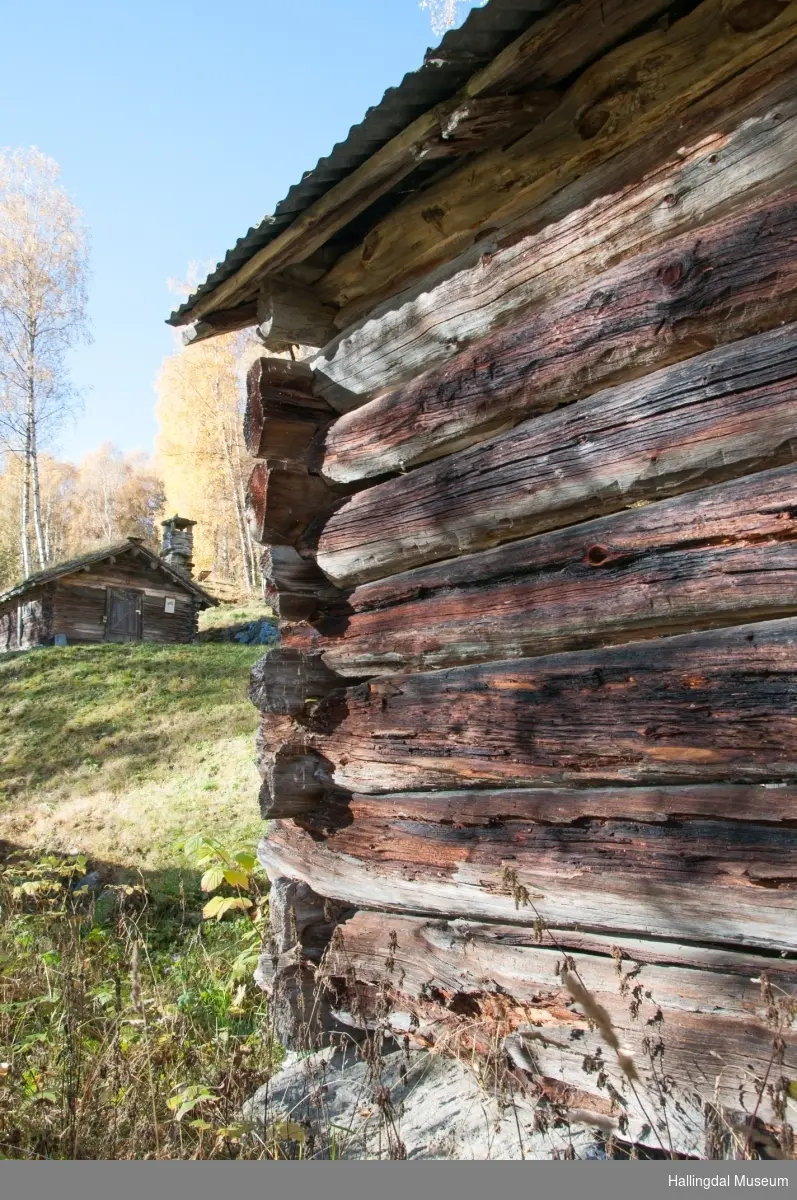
column 123, row 615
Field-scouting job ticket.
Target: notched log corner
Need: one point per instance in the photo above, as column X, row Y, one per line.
column 287, row 682
column 303, row 1002
column 283, row 414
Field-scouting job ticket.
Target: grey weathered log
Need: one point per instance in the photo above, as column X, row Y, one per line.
column 463, row 983
column 546, row 55
column 296, row 587
column 285, row 682
column 718, row 556
column 719, row 415
column 725, row 281
column 295, row 783
column 626, row 110
column 683, row 881
column 224, row 320
column 514, row 271
column 290, row 315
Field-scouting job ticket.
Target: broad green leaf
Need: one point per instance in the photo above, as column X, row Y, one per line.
column 246, row 860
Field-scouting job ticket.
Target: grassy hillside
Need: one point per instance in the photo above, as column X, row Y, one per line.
column 117, row 751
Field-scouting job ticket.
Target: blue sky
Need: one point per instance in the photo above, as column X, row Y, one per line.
column 178, row 125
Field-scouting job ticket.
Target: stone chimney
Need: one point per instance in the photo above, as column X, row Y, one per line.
column 177, row 548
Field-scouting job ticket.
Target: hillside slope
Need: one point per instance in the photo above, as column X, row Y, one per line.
column 120, row 750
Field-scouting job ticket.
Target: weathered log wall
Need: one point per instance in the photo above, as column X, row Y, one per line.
column 532, row 732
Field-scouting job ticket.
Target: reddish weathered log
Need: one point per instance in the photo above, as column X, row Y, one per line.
column 282, row 499
column 704, row 707
column 719, row 556
column 725, row 281
column 720, row 415
column 282, row 414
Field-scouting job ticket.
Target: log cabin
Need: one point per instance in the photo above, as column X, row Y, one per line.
column 118, row 593
column 527, row 494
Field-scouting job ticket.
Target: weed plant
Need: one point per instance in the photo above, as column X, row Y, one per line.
column 129, row 1028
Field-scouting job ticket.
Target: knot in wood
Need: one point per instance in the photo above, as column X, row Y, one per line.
column 672, row 274
column 596, row 555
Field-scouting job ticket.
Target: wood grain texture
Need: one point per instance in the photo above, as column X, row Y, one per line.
column 282, row 413
column 468, row 985
column 545, row 55
column 717, row 416
column 718, row 556
column 282, row 498
column 290, row 315
column 677, row 880
column 722, row 161
column 696, row 708
column 725, row 281
column 284, row 682
column 622, row 101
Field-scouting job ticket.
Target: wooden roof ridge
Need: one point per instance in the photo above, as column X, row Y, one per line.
column 67, row 566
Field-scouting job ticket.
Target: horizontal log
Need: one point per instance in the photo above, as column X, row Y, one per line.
column 285, row 682
column 696, row 883
column 725, row 281
column 282, row 498
column 282, row 413
column 703, row 707
column 717, row 416
column 719, row 556
column 465, row 987
column 223, row 320
column 615, row 107
column 759, row 804
column 290, row 315
column 715, row 171
column 546, row 54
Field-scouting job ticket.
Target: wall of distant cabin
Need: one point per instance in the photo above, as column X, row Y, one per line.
column 80, row 604
column 538, row 693
column 25, row 620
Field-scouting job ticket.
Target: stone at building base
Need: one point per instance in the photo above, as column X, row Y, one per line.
column 419, row 1106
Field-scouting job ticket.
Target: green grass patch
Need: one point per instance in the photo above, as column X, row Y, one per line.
column 118, row 750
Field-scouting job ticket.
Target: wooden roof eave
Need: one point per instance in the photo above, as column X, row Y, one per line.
column 489, row 102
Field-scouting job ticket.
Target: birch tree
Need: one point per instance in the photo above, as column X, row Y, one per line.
column 43, row 271
column 201, row 453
